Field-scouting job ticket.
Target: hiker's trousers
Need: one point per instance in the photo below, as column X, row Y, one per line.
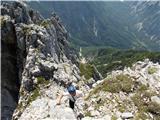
column 71, row 104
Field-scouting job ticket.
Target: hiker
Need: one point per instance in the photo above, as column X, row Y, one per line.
column 72, row 94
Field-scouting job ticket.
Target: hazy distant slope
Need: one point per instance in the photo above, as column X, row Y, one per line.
column 104, row 23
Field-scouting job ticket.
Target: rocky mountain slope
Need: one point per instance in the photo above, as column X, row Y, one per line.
column 132, row 93
column 37, row 63
column 116, row 24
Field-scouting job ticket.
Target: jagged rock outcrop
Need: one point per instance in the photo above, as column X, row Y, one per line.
column 35, row 54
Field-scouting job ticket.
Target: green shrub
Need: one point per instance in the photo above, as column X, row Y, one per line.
column 121, row 108
column 141, row 116
column 144, row 105
column 42, row 80
column 152, row 70
column 120, row 83
column 36, row 92
column 114, row 85
column 126, row 83
column 154, row 108
column 87, row 113
column 140, row 100
column 34, row 95
column 142, row 88
column 113, row 117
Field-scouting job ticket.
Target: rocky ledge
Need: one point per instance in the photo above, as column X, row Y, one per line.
column 132, row 93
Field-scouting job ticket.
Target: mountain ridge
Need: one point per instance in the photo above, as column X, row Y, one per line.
column 111, row 24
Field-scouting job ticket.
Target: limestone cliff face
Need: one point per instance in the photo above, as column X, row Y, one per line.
column 35, row 54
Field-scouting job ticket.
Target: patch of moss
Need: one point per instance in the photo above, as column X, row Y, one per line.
column 114, row 85
column 42, row 80
column 143, row 102
column 141, row 116
column 121, row 108
column 126, row 82
column 113, row 117
column 154, row 108
column 3, row 22
column 34, row 95
column 120, row 83
column 142, row 88
column 88, row 113
column 45, row 23
column 139, row 101
column 152, row 70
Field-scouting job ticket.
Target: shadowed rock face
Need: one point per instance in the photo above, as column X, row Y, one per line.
column 11, row 66
column 12, row 57
column 10, row 79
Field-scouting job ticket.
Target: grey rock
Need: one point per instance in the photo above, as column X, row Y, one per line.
column 107, row 117
column 28, row 84
column 95, row 113
column 8, row 104
column 47, row 65
column 155, row 99
column 36, row 72
column 127, row 115
column 42, row 56
column 46, row 108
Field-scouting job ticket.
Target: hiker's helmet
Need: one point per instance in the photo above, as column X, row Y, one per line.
column 71, row 89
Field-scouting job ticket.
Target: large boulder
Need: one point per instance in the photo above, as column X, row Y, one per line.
column 45, row 108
